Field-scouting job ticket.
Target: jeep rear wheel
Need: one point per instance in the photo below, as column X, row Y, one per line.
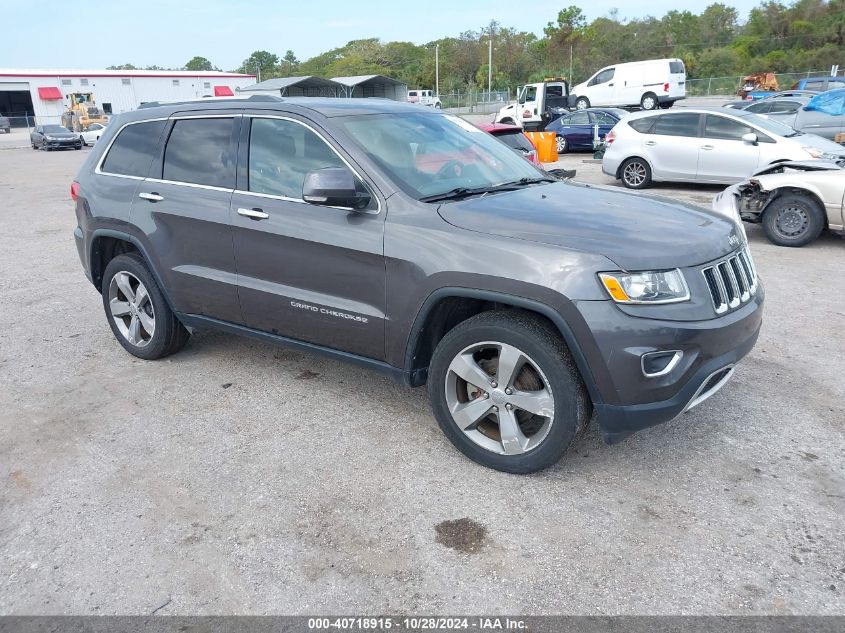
column 506, row 393
column 138, row 314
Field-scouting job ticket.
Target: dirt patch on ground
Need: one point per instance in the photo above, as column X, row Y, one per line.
column 463, row 535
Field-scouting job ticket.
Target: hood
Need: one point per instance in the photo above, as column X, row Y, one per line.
column 819, row 143
column 62, row 134
column 635, row 232
column 797, row 165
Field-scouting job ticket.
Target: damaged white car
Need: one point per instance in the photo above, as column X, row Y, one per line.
column 795, row 201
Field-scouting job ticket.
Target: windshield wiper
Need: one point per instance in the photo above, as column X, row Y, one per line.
column 459, row 193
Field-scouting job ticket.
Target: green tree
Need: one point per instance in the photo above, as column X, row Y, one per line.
column 261, row 63
column 199, row 63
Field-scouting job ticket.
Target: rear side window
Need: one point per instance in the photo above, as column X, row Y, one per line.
column 281, row 153
column 134, row 149
column 677, row 68
column 200, row 151
column 676, row 124
column 577, row 118
column 785, row 107
column 516, row 140
column 726, row 129
column 835, row 83
column 603, row 118
column 814, row 85
column 642, row 126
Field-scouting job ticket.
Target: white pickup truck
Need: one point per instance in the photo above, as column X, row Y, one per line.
column 537, row 104
column 424, row 97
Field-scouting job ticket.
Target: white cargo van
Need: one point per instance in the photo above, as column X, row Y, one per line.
column 424, row 97
column 652, row 84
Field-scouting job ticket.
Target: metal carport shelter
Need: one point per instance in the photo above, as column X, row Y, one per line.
column 307, row 86
column 373, row 86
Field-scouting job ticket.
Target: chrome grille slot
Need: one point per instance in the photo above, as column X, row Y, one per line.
column 732, row 282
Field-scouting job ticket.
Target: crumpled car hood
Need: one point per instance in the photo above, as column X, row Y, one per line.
column 636, row 232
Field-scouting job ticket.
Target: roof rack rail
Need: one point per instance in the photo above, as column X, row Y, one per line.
column 235, row 99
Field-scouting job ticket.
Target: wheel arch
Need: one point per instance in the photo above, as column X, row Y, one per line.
column 797, row 190
column 106, row 244
column 445, row 308
column 627, row 158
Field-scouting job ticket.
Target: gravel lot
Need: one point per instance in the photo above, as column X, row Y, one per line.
column 241, row 478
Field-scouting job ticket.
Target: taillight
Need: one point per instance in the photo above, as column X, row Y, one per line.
column 532, row 157
column 666, row 87
column 609, row 137
column 74, row 190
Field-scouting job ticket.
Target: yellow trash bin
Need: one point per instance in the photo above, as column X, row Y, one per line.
column 546, row 144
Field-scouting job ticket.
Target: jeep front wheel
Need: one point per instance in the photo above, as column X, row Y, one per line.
column 506, row 393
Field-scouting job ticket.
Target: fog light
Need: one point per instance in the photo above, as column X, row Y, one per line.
column 660, row 363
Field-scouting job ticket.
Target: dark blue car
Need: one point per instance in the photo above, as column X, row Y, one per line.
column 575, row 130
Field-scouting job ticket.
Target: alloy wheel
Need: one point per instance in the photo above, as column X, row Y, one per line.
column 561, row 144
column 634, row 174
column 131, row 309
column 499, row 398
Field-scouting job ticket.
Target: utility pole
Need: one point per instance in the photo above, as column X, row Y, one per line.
column 437, row 69
column 569, row 79
column 490, row 65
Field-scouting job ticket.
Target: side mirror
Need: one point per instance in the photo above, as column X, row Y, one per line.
column 333, row 187
column 749, row 138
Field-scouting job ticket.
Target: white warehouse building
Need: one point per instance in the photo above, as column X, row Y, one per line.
column 43, row 94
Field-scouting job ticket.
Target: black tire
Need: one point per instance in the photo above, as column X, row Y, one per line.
column 507, row 121
column 562, row 145
column 634, row 166
column 543, row 344
column 649, row 101
column 170, row 335
column 793, row 220
column 582, row 103
column 667, row 105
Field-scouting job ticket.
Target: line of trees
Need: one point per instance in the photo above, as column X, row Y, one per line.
column 778, row 37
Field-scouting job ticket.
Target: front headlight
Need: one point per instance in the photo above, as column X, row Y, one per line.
column 650, row 287
column 50, row 138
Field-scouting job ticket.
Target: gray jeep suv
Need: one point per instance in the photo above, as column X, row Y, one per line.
column 410, row 242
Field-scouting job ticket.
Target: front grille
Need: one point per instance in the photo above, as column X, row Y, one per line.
column 732, row 282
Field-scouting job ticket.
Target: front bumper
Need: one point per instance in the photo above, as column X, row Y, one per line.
column 63, row 144
column 710, row 349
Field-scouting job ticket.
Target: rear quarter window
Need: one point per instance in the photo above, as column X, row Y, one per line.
column 134, row 149
column 642, row 125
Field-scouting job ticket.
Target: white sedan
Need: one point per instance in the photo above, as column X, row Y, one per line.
column 92, row 134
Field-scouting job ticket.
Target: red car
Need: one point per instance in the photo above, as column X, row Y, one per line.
column 513, row 137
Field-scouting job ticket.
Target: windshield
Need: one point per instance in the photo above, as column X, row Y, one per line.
column 430, row 154
column 54, row 129
column 769, row 125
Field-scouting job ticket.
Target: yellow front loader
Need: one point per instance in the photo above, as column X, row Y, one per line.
column 82, row 111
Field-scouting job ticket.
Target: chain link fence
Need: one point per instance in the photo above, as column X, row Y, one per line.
column 476, row 101
column 728, row 86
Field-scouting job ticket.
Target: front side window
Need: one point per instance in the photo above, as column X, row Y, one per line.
column 603, row 77
column 676, row 124
column 814, row 85
column 134, row 149
column 281, row 153
column 726, row 129
column 760, row 107
column 200, row 151
column 785, row 107
column 530, row 93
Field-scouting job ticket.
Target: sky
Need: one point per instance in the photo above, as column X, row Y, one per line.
column 167, row 33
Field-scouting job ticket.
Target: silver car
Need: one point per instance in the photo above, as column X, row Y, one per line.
column 793, row 201
column 828, row 122
column 705, row 146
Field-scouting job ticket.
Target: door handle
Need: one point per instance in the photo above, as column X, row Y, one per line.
column 253, row 214
column 651, row 143
column 707, row 147
column 151, row 197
